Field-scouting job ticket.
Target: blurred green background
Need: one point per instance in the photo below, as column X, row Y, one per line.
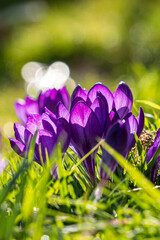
column 104, row 40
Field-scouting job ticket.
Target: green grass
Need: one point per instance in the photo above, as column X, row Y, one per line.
column 33, row 205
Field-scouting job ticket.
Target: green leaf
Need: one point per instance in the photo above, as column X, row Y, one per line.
column 149, row 103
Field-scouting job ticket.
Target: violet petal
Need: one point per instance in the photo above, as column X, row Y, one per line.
column 140, row 121
column 123, row 100
column 98, row 87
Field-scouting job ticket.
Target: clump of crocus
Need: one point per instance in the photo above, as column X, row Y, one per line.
column 50, row 130
column 99, row 113
column 48, row 99
column 150, row 154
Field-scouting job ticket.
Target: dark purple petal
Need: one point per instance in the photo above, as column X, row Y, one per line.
column 49, row 99
column 65, row 97
column 52, row 115
column 17, row 146
column 79, row 92
column 131, row 126
column 100, row 108
column 47, row 142
column 98, row 87
column 117, row 139
column 123, row 100
column 21, row 111
column 152, row 151
column 140, row 121
column 49, row 124
column 63, row 133
column 62, row 112
column 157, row 137
column 41, row 104
column 19, row 132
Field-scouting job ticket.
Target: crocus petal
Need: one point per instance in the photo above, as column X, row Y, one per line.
column 63, row 133
column 47, row 142
column 48, row 123
column 152, row 151
column 157, row 137
column 62, row 112
column 131, row 126
column 79, row 92
column 52, row 98
column 117, row 139
column 65, row 97
column 52, row 115
column 84, row 124
column 98, row 87
column 123, row 100
column 19, row 132
column 34, row 123
column 21, row 111
column 100, row 108
column 31, row 106
column 75, row 101
column 140, row 121
column 17, row 146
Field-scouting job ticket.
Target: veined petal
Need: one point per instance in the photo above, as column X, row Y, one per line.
column 34, row 121
column 99, row 87
column 140, row 121
column 79, row 92
column 62, row 112
column 84, row 124
column 123, row 100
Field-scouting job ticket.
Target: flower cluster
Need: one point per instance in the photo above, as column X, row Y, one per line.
column 48, row 99
column 93, row 114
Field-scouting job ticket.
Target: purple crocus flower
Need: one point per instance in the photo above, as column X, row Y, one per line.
column 152, row 150
column 48, row 99
column 50, row 130
column 111, row 119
